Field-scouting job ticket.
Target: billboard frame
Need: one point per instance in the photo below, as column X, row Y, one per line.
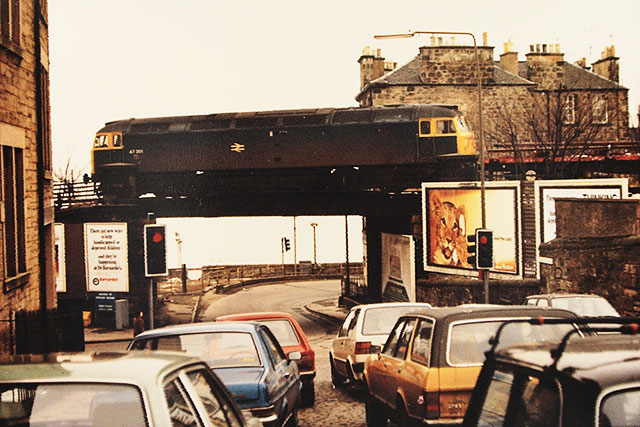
column 514, row 187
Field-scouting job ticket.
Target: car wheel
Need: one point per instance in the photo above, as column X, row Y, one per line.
column 401, row 416
column 308, row 395
column 336, row 379
column 293, row 419
column 376, row 416
column 350, row 374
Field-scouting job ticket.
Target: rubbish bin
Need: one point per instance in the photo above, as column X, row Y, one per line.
column 122, row 314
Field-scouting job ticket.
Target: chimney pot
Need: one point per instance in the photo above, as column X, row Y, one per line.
column 544, row 48
column 433, row 40
column 530, row 48
column 484, row 39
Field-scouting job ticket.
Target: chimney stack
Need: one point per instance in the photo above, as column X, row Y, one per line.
column 608, row 65
column 544, row 67
column 509, row 59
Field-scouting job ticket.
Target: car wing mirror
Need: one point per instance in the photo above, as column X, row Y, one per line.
column 375, row 349
column 294, row 355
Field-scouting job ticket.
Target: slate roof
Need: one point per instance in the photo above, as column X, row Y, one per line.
column 576, row 77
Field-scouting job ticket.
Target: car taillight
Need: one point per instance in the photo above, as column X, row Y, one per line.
column 432, row 405
column 363, row 347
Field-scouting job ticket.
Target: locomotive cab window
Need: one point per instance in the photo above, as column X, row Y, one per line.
column 117, row 140
column 462, row 125
column 445, row 127
column 425, row 127
column 100, row 141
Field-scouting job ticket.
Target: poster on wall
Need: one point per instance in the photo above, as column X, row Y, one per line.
column 398, row 268
column 59, row 258
column 106, row 256
column 547, row 191
column 452, row 211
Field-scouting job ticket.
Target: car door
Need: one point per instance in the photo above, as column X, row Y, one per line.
column 286, row 373
column 340, row 343
column 397, row 372
column 379, row 370
column 413, row 379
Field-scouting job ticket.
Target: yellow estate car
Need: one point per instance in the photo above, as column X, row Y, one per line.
column 427, row 369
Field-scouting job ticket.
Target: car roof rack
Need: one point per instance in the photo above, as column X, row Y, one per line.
column 628, row 326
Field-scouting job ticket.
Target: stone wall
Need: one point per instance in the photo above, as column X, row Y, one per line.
column 597, row 251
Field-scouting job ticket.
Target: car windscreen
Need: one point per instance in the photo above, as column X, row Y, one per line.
column 283, row 330
column 586, row 306
column 468, row 341
column 84, row 404
column 380, row 320
column 218, row 349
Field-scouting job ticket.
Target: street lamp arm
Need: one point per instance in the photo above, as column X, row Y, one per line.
column 413, row 33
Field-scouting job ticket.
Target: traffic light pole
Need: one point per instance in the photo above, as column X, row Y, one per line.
column 151, row 283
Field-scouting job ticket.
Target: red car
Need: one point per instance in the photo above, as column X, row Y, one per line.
column 291, row 338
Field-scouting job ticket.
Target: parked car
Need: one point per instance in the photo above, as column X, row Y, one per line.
column 292, row 338
column 587, row 305
column 594, row 381
column 248, row 359
column 431, row 360
column 364, row 326
column 114, row 389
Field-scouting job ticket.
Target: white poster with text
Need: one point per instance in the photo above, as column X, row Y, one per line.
column 61, row 270
column 106, row 256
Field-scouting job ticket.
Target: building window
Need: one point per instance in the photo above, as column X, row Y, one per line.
column 10, row 24
column 600, row 115
column 14, row 213
column 570, row 109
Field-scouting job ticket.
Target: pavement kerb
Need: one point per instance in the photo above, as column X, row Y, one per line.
column 330, row 312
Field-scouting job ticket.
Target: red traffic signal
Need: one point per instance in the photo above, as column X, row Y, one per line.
column 155, row 250
column 484, row 249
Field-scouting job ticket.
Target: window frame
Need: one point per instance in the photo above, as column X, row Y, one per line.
column 14, row 231
column 423, row 321
column 599, row 109
column 10, row 26
column 569, row 109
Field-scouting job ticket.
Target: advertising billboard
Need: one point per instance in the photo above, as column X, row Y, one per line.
column 398, row 268
column 106, row 256
column 453, row 211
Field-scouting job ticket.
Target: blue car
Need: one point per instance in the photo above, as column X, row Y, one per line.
column 248, row 359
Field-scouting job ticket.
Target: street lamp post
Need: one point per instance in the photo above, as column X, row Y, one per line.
column 183, row 273
column 314, row 225
column 485, row 272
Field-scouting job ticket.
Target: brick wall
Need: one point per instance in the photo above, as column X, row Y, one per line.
column 18, row 129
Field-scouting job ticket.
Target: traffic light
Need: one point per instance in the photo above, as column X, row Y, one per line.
column 155, row 250
column 471, row 249
column 287, row 245
column 484, row 254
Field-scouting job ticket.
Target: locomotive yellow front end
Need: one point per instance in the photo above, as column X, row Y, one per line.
column 107, row 149
column 466, row 139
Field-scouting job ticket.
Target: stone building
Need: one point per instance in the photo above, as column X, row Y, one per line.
column 26, row 222
column 513, row 90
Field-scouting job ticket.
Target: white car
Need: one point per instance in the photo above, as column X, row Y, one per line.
column 364, row 326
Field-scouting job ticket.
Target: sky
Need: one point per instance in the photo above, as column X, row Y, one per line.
column 117, row 59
